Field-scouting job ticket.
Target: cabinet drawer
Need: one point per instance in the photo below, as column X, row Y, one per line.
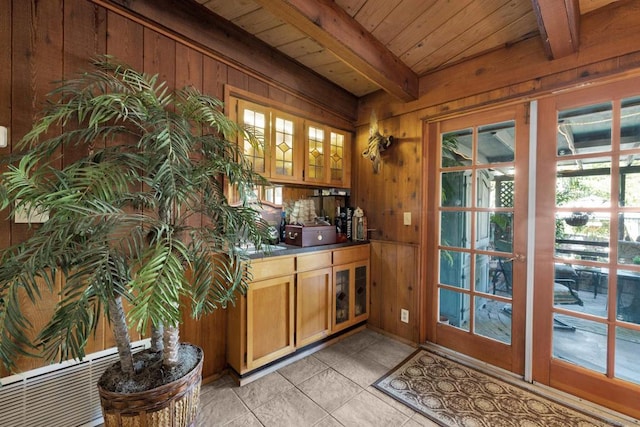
column 314, row 261
column 264, row 269
column 346, row 256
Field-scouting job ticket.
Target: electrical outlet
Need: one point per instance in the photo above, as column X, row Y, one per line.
column 404, row 315
column 407, row 218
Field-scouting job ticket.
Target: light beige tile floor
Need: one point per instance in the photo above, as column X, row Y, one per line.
column 331, row 387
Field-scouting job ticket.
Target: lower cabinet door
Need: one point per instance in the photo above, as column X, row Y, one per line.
column 313, row 306
column 270, row 320
column 351, row 290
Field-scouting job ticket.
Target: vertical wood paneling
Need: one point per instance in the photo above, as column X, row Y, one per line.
column 85, row 28
column 39, row 315
column 189, row 67
column 84, row 37
column 124, row 41
column 237, row 78
column 375, row 311
column 396, row 189
column 189, row 72
column 160, row 57
column 214, row 326
column 387, row 194
column 258, row 87
column 36, row 62
column 5, row 101
column 407, row 281
column 388, row 281
column 214, row 77
column 277, row 95
column 395, row 286
column 407, row 161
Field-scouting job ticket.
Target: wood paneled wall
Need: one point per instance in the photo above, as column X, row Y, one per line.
column 396, row 188
column 47, row 41
column 395, row 285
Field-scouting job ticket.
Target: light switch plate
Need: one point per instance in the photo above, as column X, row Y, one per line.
column 404, row 315
column 407, row 218
column 4, row 137
column 22, row 215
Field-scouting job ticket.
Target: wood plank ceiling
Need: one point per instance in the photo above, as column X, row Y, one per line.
column 368, row 45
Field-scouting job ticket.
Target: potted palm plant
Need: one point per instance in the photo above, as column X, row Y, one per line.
column 138, row 218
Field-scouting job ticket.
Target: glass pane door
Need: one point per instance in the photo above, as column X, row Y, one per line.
column 596, row 287
column 480, row 281
column 587, row 265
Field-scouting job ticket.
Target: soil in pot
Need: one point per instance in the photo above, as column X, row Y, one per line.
column 149, row 371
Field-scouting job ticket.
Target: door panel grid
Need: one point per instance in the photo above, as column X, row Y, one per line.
column 475, row 247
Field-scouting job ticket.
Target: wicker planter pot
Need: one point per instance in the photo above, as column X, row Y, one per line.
column 170, row 405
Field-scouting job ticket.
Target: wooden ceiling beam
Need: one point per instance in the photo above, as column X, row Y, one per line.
column 334, row 29
column 559, row 24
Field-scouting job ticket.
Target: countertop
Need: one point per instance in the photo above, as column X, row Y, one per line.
column 294, row 250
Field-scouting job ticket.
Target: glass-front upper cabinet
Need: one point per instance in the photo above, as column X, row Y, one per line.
column 257, row 121
column 326, row 155
column 339, row 161
column 276, row 151
column 316, row 153
column 286, row 147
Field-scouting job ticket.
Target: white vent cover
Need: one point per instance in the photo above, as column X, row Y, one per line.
column 61, row 395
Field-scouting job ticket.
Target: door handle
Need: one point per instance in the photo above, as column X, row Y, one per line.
column 519, row 257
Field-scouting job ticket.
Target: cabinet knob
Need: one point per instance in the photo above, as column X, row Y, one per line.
column 319, row 236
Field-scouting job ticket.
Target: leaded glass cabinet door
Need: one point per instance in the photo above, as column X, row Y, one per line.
column 257, row 120
column 339, row 160
column 286, row 148
column 342, row 298
column 326, row 152
column 361, row 290
column 317, row 154
column 351, row 294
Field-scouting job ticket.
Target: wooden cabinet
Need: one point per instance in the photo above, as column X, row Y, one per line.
column 351, row 286
column 351, row 294
column 270, row 320
column 286, row 148
column 289, row 149
column 277, row 153
column 327, row 156
column 313, row 297
column 294, row 301
column 261, row 324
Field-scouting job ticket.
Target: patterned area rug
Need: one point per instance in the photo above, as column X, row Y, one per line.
column 452, row 394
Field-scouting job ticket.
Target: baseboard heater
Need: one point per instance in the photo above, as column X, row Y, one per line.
column 62, row 395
